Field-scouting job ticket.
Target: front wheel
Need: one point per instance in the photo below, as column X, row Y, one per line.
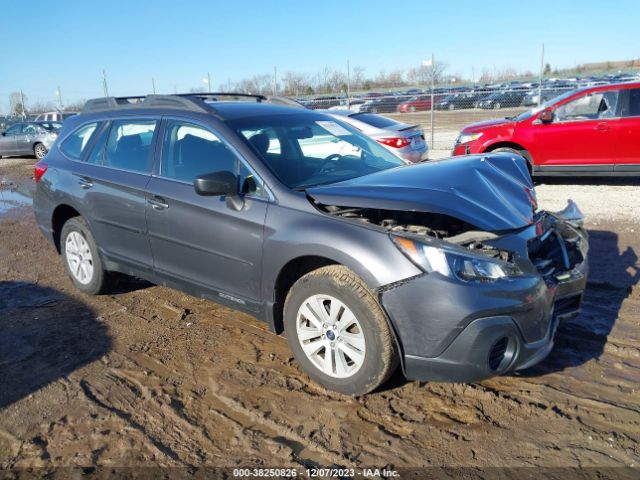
column 338, row 332
column 81, row 258
column 40, row 151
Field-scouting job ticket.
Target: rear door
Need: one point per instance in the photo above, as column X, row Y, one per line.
column 582, row 135
column 111, row 182
column 211, row 242
column 8, row 139
column 628, row 145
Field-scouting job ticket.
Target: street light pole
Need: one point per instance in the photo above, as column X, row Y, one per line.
column 104, row 83
column 348, row 87
column 541, row 74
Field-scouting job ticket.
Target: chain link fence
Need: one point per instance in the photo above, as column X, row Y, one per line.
column 444, row 111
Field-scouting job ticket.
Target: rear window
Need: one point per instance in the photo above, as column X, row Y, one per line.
column 74, row 145
column 374, row 120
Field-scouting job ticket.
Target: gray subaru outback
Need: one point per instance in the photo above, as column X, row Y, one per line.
column 446, row 268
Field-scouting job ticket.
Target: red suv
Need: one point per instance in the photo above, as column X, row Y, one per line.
column 589, row 131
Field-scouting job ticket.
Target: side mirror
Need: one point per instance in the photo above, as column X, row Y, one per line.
column 216, row 184
column 546, row 116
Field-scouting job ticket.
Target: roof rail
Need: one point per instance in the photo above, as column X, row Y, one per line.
column 212, row 95
column 196, row 101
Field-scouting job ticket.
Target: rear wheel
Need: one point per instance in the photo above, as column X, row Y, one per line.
column 412, row 108
column 81, row 258
column 338, row 332
column 39, row 150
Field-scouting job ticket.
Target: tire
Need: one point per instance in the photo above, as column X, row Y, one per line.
column 412, row 108
column 40, row 151
column 81, row 258
column 523, row 153
column 451, row 106
column 363, row 351
column 496, row 105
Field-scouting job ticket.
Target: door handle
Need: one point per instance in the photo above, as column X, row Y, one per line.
column 602, row 127
column 85, row 182
column 158, row 203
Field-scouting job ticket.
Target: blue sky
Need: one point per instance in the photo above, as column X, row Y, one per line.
column 178, row 42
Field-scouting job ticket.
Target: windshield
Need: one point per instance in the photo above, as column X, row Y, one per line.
column 305, row 150
column 530, row 113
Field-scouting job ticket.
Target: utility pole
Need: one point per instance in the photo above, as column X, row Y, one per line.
column 209, row 81
column 22, row 107
column 153, row 85
column 275, row 81
column 433, row 82
column 59, row 95
column 541, row 74
column 348, row 87
column 104, row 83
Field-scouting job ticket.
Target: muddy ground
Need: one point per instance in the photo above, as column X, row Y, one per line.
column 151, row 376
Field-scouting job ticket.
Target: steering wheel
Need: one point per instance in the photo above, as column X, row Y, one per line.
column 330, row 160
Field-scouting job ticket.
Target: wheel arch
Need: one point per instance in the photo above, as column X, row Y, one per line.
column 59, row 217
column 515, row 146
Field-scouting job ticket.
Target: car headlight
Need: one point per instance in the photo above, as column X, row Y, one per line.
column 467, row 137
column 455, row 264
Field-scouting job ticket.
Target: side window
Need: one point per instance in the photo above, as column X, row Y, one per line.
column 14, row 129
column 250, row 184
column 129, row 145
column 189, row 150
column 74, row 145
column 30, row 130
column 634, row 103
column 100, row 145
column 593, row 106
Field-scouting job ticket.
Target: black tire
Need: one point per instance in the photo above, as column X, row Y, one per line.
column 381, row 357
column 523, row 153
column 497, row 105
column 100, row 279
column 40, row 151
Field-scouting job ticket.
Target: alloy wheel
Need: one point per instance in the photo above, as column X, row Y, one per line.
column 79, row 257
column 330, row 336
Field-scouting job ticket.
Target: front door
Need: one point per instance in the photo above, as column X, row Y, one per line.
column 582, row 135
column 8, row 139
column 211, row 242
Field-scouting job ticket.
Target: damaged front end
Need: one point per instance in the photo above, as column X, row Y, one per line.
column 493, row 290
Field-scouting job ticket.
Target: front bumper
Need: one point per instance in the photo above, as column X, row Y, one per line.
column 464, row 332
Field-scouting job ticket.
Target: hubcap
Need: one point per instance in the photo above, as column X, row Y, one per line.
column 330, row 336
column 79, row 257
column 41, row 151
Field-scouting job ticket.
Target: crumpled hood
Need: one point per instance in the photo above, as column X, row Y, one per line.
column 493, row 192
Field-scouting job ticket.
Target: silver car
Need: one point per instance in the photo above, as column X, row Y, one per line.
column 29, row 138
column 404, row 140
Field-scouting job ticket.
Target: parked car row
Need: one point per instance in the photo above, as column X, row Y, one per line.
column 486, row 96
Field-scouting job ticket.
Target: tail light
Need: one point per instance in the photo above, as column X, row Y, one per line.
column 395, row 142
column 38, row 171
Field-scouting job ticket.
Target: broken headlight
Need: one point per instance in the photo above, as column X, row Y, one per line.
column 455, row 264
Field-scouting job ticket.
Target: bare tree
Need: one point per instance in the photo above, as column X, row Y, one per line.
column 357, row 77
column 295, row 83
column 15, row 103
column 41, row 107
